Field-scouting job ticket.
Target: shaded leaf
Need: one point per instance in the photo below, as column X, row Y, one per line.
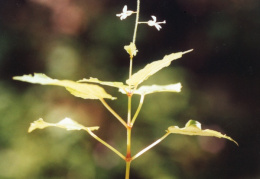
column 66, row 123
column 86, row 91
column 193, row 127
column 153, row 67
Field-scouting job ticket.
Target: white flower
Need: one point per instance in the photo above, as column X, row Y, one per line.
column 125, row 13
column 156, row 24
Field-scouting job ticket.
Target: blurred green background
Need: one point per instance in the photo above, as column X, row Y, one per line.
column 75, row 39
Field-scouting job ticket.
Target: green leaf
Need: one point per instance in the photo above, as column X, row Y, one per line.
column 193, row 127
column 85, row 91
column 153, row 67
column 144, row 90
column 115, row 84
column 66, row 123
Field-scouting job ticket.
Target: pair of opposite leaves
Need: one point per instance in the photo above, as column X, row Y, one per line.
column 92, row 91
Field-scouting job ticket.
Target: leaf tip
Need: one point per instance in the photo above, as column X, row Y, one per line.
column 178, row 87
column 15, row 77
column 188, row 51
column 37, row 124
column 229, row 138
column 93, row 128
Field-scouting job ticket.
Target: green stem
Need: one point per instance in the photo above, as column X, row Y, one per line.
column 128, row 157
column 106, row 144
column 129, row 129
column 150, row 146
column 130, row 69
column 138, row 109
column 136, row 20
column 127, row 170
column 113, row 112
column 129, row 110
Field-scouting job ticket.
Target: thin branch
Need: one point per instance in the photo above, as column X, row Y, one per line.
column 113, row 112
column 106, row 144
column 150, row 146
column 138, row 109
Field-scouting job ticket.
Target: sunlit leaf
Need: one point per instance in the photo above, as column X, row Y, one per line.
column 38, row 78
column 131, row 49
column 153, row 67
column 144, row 90
column 66, row 123
column 86, row 91
column 194, row 128
column 115, row 84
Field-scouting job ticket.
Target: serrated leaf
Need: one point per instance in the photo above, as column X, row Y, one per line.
column 144, row 90
column 193, row 127
column 115, row 84
column 152, row 68
column 86, row 91
column 66, row 123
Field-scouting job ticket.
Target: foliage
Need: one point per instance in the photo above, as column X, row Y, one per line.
column 91, row 89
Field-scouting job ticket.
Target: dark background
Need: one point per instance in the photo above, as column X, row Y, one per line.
column 75, row 39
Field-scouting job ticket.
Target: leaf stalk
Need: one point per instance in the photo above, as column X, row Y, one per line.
column 113, row 112
column 150, row 146
column 138, row 109
column 106, row 144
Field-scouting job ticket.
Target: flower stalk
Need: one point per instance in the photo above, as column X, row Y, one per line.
column 136, row 20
